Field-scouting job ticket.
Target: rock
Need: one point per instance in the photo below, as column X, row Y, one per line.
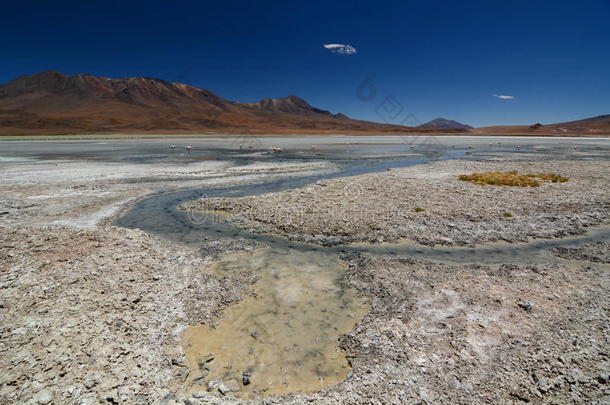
column 547, row 384
column 200, row 377
column 526, row 306
column 178, row 362
column 43, row 397
column 245, row 378
column 169, row 399
column 89, row 399
column 201, row 395
column 182, row 374
column 574, row 375
column 89, row 384
column 212, row 385
column 228, row 386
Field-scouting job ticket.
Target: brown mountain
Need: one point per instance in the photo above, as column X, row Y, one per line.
column 599, row 125
column 444, row 123
column 53, row 102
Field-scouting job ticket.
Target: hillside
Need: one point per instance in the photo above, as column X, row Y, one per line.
column 599, row 125
column 52, row 102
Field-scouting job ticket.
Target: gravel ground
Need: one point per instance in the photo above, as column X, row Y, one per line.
column 428, row 204
column 481, row 334
column 94, row 314
column 470, row 334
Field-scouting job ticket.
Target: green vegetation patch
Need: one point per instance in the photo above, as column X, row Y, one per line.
column 512, row 178
column 418, row 209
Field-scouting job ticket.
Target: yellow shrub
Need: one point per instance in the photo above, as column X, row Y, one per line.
column 512, row 178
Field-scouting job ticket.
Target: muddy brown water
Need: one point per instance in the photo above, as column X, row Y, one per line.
column 284, row 338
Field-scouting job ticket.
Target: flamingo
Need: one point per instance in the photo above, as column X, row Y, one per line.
column 172, row 147
column 188, row 149
column 277, row 149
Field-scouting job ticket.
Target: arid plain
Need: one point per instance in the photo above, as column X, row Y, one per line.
column 343, row 270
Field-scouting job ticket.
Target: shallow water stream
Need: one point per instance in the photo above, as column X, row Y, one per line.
column 284, row 337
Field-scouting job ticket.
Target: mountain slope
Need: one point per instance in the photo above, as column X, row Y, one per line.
column 53, row 102
column 599, row 125
column 444, row 123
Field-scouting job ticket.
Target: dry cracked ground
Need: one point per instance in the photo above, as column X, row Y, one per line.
column 95, row 315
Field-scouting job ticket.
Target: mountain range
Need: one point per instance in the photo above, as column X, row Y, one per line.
column 599, row 125
column 53, row 102
column 444, row 123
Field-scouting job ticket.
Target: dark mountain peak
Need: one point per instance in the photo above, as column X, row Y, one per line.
column 444, row 123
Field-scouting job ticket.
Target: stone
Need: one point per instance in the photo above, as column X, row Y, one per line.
column 212, row 385
column 574, row 375
column 245, row 378
column 178, row 362
column 547, row 384
column 527, row 305
column 199, row 377
column 228, row 386
column 182, row 374
column 201, row 395
column 43, row 397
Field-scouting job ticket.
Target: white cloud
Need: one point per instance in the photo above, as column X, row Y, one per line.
column 342, row 49
column 504, row 97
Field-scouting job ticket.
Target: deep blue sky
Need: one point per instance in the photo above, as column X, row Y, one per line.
column 435, row 58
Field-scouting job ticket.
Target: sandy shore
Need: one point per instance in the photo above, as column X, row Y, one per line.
column 428, row 204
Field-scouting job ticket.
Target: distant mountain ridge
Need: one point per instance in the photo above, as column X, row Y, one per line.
column 444, row 123
column 53, row 102
column 599, row 125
